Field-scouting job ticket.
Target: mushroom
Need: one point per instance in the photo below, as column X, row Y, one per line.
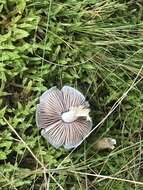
column 105, row 143
column 63, row 116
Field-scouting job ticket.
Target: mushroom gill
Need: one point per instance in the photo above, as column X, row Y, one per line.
column 63, row 116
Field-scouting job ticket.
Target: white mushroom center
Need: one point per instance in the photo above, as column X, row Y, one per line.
column 74, row 113
column 69, row 116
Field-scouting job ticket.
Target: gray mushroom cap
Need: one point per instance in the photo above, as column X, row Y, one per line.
column 53, row 104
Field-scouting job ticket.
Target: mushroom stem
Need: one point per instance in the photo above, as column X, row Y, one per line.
column 74, row 113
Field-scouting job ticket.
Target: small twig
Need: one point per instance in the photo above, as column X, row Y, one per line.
column 109, row 177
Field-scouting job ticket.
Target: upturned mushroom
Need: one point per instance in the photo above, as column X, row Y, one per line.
column 63, row 116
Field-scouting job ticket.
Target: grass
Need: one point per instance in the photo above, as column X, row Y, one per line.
column 95, row 46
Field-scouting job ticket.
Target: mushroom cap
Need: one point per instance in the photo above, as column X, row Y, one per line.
column 55, row 102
